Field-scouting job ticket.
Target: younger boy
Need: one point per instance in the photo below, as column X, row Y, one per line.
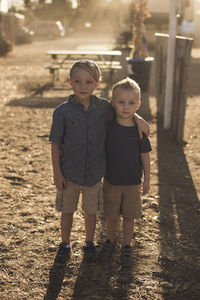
column 127, row 155
column 78, row 154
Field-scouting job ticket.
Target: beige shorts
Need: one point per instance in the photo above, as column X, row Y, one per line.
column 67, row 200
column 122, row 200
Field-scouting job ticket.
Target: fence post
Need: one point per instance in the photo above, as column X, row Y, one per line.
column 181, row 71
column 161, row 66
column 182, row 62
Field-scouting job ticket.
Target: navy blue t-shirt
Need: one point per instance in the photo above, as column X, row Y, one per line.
column 123, row 148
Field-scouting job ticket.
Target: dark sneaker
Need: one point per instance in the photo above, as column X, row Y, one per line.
column 126, row 257
column 90, row 254
column 106, row 251
column 63, row 255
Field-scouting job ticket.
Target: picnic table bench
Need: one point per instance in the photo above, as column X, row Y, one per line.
column 64, row 59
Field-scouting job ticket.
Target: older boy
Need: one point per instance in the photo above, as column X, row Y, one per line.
column 127, row 155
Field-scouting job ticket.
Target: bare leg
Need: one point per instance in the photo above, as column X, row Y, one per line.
column 128, row 227
column 90, row 225
column 66, row 225
column 111, row 225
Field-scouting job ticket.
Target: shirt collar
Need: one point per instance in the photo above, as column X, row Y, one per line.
column 93, row 103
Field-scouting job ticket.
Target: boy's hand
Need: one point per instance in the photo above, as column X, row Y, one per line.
column 143, row 126
column 146, row 187
column 60, row 182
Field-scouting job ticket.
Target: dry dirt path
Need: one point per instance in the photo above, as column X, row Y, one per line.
column 166, row 242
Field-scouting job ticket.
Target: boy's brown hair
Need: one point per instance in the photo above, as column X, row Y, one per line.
column 128, row 84
column 88, row 65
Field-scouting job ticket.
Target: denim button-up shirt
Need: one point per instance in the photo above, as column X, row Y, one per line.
column 81, row 136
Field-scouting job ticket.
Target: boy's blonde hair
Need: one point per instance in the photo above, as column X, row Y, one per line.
column 128, row 84
column 88, row 65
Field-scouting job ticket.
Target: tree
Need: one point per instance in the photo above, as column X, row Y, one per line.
column 140, row 13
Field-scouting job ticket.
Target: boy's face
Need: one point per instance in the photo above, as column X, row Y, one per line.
column 83, row 84
column 125, row 103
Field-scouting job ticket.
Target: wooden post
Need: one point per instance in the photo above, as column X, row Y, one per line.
column 181, row 71
column 180, row 83
column 161, row 66
column 170, row 64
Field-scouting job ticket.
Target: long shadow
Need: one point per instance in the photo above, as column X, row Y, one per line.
column 37, row 102
column 92, row 282
column 56, row 278
column 49, row 102
column 179, row 221
column 102, row 281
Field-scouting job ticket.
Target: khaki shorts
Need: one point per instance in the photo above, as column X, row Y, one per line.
column 67, row 200
column 122, row 200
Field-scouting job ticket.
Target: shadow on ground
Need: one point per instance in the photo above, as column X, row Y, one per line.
column 56, row 278
column 38, row 100
column 179, row 220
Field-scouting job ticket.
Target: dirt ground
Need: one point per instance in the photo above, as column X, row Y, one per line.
column 166, row 242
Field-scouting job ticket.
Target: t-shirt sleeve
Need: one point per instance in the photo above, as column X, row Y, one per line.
column 145, row 145
column 57, row 127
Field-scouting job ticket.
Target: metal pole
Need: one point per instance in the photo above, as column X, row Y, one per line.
column 170, row 64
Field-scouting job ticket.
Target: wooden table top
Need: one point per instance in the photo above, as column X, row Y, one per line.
column 82, row 52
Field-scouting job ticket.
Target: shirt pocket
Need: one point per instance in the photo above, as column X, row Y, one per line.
column 74, row 128
column 72, row 123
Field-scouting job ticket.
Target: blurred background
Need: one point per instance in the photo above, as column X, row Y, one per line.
column 23, row 20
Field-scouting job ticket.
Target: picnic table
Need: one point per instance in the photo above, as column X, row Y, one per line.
column 64, row 59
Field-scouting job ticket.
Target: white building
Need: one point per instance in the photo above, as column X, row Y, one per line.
column 189, row 10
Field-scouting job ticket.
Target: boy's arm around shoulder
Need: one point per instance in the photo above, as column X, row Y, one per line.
column 59, row 180
column 143, row 126
column 145, row 158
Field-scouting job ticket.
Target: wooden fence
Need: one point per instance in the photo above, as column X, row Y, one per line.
column 181, row 71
